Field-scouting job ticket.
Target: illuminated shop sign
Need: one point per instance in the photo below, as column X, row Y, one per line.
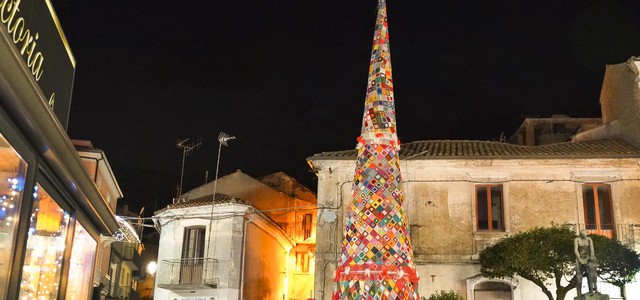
column 34, row 29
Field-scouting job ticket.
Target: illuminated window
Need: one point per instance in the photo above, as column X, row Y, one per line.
column 12, row 171
column 45, row 248
column 598, row 215
column 302, row 262
column 489, row 207
column 83, row 252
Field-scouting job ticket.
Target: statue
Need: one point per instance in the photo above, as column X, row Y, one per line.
column 586, row 262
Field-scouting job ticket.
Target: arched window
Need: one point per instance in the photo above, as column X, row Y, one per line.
column 487, row 290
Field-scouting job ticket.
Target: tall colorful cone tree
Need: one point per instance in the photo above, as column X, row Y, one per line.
column 377, row 258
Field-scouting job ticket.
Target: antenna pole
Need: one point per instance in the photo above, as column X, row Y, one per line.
column 184, row 155
column 186, row 150
column 223, row 138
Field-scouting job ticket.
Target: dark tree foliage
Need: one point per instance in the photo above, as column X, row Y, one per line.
column 546, row 254
column 617, row 264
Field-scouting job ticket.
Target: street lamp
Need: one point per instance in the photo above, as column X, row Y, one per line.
column 152, row 266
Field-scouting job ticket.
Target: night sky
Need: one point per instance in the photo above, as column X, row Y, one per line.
column 288, row 78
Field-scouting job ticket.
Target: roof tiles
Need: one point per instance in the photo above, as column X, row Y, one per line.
column 202, row 201
column 462, row 149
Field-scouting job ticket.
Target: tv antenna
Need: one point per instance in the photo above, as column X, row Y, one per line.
column 223, row 138
column 186, row 150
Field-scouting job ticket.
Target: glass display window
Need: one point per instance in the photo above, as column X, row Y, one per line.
column 12, row 177
column 46, row 244
column 83, row 253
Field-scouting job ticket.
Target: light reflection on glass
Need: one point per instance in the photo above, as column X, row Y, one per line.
column 82, row 253
column 12, row 172
column 45, row 248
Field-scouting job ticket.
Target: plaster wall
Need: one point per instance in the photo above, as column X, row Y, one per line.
column 242, row 186
column 265, row 266
column 441, row 216
column 620, row 99
column 225, row 244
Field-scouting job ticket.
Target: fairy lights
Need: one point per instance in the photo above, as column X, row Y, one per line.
column 45, row 248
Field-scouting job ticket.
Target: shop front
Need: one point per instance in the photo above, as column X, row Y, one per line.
column 51, row 212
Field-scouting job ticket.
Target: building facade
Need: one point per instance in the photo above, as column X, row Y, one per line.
column 462, row 196
column 256, row 240
column 52, row 214
column 118, row 257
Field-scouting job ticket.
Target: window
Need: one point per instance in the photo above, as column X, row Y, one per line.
column 12, row 172
column 307, row 225
column 492, row 290
column 46, row 244
column 193, row 243
column 302, row 262
column 82, row 253
column 192, row 263
column 598, row 215
column 489, row 207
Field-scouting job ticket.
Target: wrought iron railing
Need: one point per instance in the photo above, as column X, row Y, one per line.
column 188, row 271
column 118, row 291
column 627, row 234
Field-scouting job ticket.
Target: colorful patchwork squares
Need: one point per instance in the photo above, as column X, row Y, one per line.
column 377, row 259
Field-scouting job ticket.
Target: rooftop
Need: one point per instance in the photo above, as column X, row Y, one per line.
column 203, row 201
column 463, row 149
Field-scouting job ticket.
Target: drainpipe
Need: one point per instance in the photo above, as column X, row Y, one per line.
column 244, row 251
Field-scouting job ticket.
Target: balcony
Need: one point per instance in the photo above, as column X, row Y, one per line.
column 627, row 234
column 117, row 291
column 129, row 254
column 188, row 274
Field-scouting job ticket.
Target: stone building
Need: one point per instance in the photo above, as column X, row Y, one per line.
column 462, row 196
column 619, row 103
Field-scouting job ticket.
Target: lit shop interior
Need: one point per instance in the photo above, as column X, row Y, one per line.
column 51, row 212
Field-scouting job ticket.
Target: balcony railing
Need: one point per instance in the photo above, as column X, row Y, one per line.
column 188, row 273
column 117, row 291
column 627, row 234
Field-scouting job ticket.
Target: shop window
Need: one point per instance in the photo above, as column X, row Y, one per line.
column 48, row 225
column 302, row 262
column 489, row 208
column 12, row 172
column 83, row 252
column 598, row 215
